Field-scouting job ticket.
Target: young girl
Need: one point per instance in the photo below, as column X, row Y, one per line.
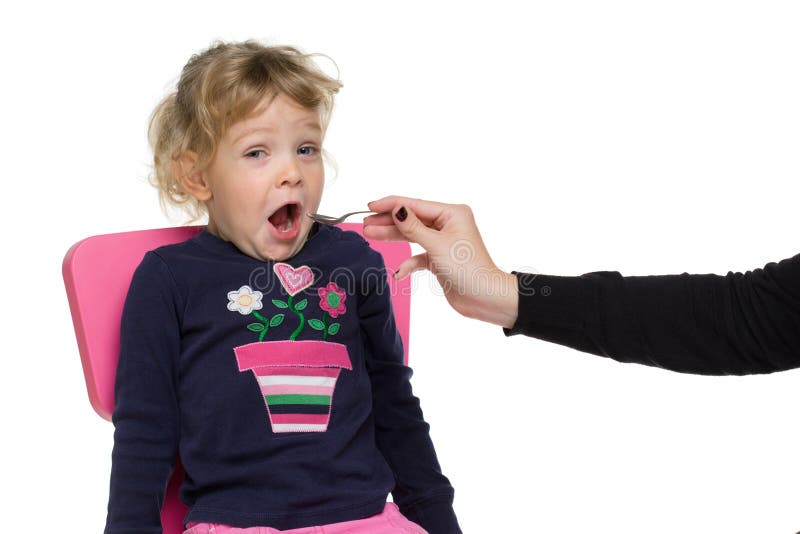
column 264, row 351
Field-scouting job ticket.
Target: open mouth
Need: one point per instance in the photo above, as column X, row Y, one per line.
column 286, row 220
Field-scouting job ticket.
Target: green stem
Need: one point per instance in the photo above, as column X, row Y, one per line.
column 325, row 323
column 302, row 319
column 266, row 324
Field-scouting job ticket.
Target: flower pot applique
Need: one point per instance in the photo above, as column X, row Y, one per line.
column 297, row 378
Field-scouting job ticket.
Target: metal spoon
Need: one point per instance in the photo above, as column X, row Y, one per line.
column 327, row 219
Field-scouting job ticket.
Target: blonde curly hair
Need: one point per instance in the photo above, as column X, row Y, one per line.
column 217, row 88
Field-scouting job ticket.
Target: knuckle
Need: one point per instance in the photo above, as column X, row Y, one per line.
column 466, row 211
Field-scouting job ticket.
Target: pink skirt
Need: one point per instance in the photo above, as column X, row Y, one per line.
column 390, row 521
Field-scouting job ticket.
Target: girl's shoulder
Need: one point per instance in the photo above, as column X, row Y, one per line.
column 347, row 237
column 351, row 245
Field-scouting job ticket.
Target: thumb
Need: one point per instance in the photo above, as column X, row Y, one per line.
column 413, row 229
column 414, row 263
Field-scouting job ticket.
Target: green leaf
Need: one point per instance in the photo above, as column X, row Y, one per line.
column 276, row 320
column 332, row 329
column 280, row 303
column 255, row 327
column 316, row 324
column 301, row 305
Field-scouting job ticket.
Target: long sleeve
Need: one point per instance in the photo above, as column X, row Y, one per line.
column 421, row 491
column 693, row 323
column 145, row 407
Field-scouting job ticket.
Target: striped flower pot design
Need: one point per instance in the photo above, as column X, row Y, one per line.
column 297, row 380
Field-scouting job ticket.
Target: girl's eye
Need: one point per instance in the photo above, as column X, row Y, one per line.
column 307, row 150
column 255, row 154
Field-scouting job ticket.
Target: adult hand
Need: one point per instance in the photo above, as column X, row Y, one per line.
column 454, row 252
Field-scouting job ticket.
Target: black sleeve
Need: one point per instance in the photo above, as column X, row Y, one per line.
column 691, row 323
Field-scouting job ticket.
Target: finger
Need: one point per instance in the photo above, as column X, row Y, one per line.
column 381, row 219
column 426, row 210
column 383, row 233
column 386, row 204
column 414, row 263
column 414, row 229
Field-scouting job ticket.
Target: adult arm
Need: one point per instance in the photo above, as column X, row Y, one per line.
column 740, row 323
column 694, row 323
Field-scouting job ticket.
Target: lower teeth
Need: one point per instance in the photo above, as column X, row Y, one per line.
column 285, row 227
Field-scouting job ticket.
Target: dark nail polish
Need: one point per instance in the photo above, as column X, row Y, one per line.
column 401, row 214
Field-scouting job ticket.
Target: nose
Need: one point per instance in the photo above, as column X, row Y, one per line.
column 290, row 175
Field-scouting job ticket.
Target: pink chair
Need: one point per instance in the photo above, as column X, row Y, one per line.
column 97, row 273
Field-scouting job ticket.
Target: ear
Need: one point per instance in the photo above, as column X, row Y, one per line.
column 191, row 180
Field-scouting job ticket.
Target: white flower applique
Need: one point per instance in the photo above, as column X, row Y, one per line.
column 245, row 300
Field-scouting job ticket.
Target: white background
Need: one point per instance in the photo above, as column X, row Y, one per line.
column 644, row 137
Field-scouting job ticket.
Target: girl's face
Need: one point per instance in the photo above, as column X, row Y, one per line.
column 266, row 175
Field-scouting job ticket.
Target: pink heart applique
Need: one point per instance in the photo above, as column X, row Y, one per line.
column 294, row 280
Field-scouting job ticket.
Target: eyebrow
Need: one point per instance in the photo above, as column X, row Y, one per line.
column 314, row 125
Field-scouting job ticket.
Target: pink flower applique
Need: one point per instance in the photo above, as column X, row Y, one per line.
column 331, row 299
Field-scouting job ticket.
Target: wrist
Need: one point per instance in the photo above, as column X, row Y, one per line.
column 494, row 300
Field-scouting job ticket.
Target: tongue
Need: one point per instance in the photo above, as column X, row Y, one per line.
column 280, row 217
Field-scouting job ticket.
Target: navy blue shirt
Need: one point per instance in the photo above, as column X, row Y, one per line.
column 281, row 386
